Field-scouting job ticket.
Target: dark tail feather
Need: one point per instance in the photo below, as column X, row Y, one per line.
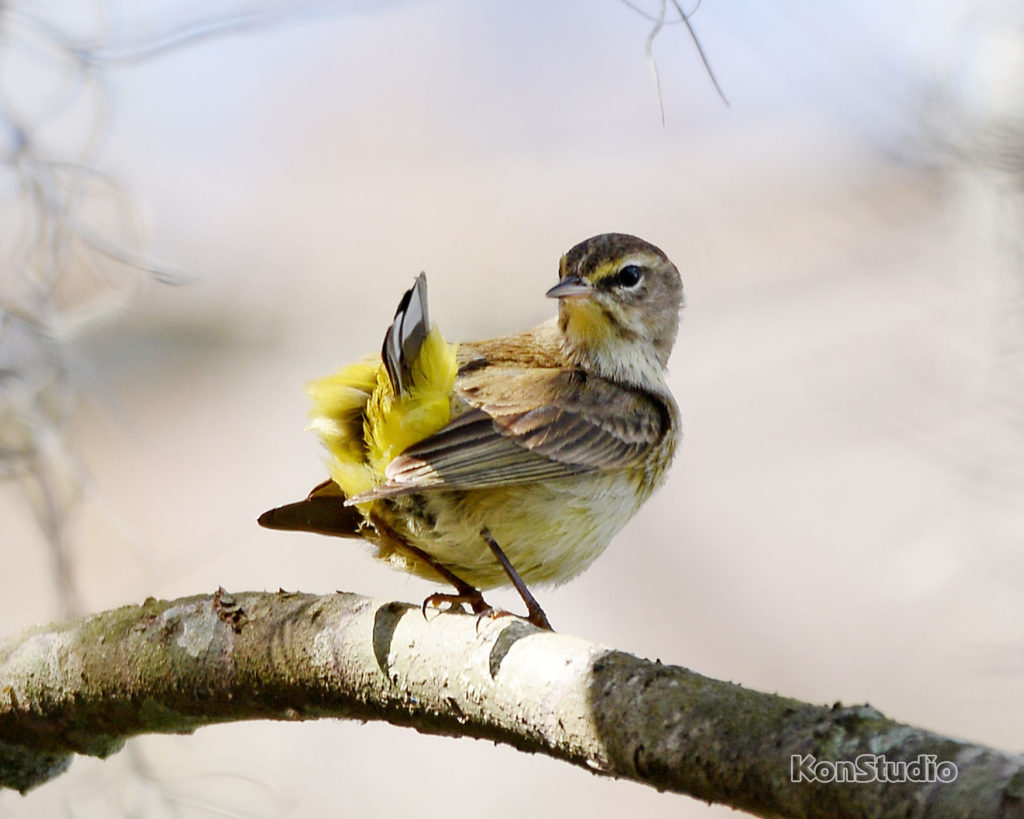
column 323, row 512
column 406, row 335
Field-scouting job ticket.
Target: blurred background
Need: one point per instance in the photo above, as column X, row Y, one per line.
column 204, row 206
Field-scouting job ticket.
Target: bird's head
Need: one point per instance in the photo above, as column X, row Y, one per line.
column 619, row 301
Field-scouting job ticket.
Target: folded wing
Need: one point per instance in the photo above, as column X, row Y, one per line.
column 526, row 425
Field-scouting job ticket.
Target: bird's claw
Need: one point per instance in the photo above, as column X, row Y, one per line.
column 535, row 618
column 474, row 600
column 482, row 609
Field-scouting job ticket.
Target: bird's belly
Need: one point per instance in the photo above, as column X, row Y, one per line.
column 549, row 531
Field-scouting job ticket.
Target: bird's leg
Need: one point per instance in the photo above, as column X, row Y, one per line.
column 464, row 592
column 537, row 615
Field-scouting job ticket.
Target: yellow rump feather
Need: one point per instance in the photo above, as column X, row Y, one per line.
column 364, row 425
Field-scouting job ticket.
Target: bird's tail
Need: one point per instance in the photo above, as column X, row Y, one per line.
column 370, row 412
column 323, row 511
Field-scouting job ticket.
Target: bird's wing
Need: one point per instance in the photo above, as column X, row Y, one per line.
column 406, row 335
column 529, row 424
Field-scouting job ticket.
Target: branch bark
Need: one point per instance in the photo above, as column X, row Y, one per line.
column 172, row 666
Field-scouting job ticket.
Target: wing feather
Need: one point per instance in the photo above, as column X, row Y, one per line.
column 529, row 424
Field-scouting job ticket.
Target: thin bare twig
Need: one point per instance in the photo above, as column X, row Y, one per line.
column 660, row 21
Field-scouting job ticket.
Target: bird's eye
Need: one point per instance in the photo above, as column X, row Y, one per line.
column 629, row 276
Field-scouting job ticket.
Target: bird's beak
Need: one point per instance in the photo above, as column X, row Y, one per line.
column 570, row 286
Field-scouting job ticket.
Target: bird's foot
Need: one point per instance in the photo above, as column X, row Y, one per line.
column 537, row 618
column 536, row 613
column 470, row 597
column 482, row 609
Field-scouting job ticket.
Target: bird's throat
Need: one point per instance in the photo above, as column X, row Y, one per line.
column 596, row 343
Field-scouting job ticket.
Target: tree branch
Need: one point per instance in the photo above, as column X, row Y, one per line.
column 172, row 666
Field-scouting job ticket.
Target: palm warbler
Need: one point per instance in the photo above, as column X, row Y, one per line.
column 511, row 460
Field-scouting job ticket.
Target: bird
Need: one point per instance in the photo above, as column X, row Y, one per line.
column 512, row 460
